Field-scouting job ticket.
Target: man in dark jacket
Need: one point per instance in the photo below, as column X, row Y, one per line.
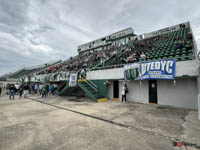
column 26, row 88
column 0, row 88
column 12, row 91
column 21, row 89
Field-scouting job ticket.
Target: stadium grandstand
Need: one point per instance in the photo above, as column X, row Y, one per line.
column 28, row 71
column 159, row 67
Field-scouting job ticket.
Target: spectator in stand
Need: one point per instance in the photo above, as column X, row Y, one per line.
column 132, row 58
column 153, row 48
column 178, row 44
column 142, row 56
column 50, row 68
column 189, row 36
column 188, row 45
column 12, row 91
column 102, row 61
column 183, row 44
column 139, row 43
column 82, row 74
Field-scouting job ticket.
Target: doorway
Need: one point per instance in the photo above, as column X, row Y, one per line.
column 116, row 89
column 153, row 91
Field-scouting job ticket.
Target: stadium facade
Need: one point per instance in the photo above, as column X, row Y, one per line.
column 117, row 38
column 182, row 91
column 167, row 75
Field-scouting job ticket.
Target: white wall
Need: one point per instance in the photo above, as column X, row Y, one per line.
column 137, row 93
column 184, row 94
column 189, row 68
column 116, row 73
column 110, row 90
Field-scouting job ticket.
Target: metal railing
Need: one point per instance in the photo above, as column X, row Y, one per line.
column 61, row 86
column 92, row 85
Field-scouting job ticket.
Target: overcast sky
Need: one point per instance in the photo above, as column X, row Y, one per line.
column 34, row 32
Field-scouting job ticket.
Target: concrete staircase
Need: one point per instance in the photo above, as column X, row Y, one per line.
column 91, row 90
column 62, row 89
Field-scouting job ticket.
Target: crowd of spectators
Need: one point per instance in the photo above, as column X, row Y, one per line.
column 26, row 89
column 132, row 52
column 137, row 49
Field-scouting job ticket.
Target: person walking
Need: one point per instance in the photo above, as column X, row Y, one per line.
column 12, row 91
column 44, row 91
column 7, row 89
column 17, row 88
column 47, row 88
column 26, row 88
column 21, row 89
column 40, row 88
column 36, row 88
column 1, row 88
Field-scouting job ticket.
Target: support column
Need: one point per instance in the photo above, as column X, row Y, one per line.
column 198, row 82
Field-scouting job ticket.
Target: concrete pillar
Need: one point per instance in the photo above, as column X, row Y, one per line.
column 198, row 82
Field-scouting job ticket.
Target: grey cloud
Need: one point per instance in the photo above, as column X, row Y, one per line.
column 37, row 31
column 13, row 13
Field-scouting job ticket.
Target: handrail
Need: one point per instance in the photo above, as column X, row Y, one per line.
column 91, row 83
column 61, row 85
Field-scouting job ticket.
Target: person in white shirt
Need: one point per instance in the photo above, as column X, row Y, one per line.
column 40, row 88
column 124, row 92
column 17, row 88
column 143, row 56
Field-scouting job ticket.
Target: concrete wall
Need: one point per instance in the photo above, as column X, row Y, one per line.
column 187, row 68
column 184, row 94
column 116, row 73
column 137, row 92
column 110, row 90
